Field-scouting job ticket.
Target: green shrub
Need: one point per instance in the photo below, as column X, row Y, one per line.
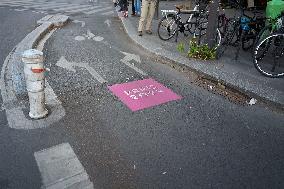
column 202, row 52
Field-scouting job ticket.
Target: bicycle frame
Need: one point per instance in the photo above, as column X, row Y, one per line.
column 177, row 13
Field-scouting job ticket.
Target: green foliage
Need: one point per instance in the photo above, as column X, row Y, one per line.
column 181, row 47
column 202, row 52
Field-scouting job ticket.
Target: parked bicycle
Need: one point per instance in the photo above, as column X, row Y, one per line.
column 272, row 25
column 196, row 23
column 269, row 55
column 242, row 32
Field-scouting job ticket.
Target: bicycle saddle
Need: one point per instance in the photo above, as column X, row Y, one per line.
column 179, row 8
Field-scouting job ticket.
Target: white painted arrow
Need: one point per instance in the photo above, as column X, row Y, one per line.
column 82, row 22
column 128, row 57
column 108, row 22
column 63, row 63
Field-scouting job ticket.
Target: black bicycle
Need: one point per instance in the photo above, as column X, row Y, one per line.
column 269, row 55
column 241, row 32
column 196, row 24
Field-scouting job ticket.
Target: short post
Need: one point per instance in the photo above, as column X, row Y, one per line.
column 35, row 81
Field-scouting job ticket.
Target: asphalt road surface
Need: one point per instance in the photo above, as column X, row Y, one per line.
column 199, row 141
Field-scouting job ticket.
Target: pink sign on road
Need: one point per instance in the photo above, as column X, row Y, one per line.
column 141, row 94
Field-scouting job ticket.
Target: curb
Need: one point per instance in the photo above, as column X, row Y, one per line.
column 13, row 83
column 234, row 80
column 29, row 42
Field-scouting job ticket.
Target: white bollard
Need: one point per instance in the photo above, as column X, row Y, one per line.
column 35, row 81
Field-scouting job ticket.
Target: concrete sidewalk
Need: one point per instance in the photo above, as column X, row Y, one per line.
column 240, row 75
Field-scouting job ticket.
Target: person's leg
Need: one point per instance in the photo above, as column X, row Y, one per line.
column 133, row 7
column 144, row 12
column 151, row 13
column 188, row 5
column 124, row 5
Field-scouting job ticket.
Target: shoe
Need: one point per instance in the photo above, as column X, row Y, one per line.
column 140, row 33
column 149, row 32
column 125, row 14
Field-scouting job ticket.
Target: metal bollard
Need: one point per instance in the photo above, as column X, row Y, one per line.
column 35, row 81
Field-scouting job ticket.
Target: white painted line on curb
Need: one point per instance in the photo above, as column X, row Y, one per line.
column 40, row 45
column 15, row 108
column 17, row 119
column 61, row 169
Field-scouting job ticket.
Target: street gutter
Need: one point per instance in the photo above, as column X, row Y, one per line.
column 233, row 80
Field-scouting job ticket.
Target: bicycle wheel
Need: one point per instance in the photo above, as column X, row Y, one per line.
column 217, row 42
column 201, row 22
column 229, row 38
column 272, row 62
column 167, row 27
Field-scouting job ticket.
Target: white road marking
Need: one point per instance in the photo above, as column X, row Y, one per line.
column 12, row 4
column 62, row 62
column 71, row 7
column 17, row 119
column 30, row 1
column 46, row 5
column 60, row 168
column 108, row 13
column 79, row 38
column 128, row 57
column 14, row 110
column 66, row 8
column 38, row 5
column 84, row 9
column 82, row 22
column 20, row 10
column 98, row 10
column 108, row 22
column 90, row 35
column 134, row 68
column 98, row 38
column 54, row 6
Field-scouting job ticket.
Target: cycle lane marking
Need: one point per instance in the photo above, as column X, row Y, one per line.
column 60, row 168
column 63, row 63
